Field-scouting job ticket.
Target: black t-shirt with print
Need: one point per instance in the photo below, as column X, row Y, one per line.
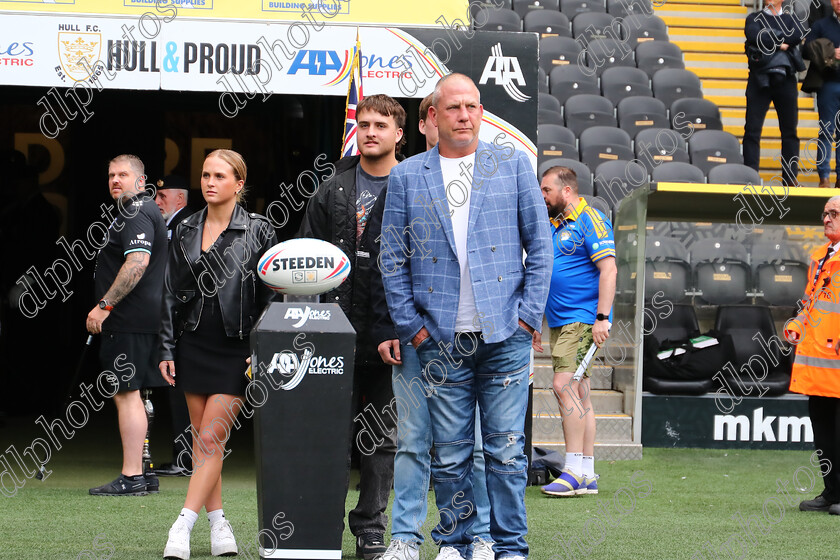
column 138, row 226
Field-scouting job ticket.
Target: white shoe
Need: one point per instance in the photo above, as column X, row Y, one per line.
column 449, row 553
column 517, row 557
column 178, row 545
column 401, row 550
column 483, row 550
column 222, row 542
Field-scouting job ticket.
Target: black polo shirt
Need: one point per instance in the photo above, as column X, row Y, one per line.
column 138, row 226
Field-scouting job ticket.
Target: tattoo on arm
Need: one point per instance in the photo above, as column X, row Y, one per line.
column 129, row 275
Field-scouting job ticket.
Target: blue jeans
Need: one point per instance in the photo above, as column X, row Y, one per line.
column 496, row 375
column 412, row 461
column 828, row 103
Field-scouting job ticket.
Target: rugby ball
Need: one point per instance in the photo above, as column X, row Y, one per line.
column 303, row 267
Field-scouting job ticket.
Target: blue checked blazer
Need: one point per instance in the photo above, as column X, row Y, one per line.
column 419, row 262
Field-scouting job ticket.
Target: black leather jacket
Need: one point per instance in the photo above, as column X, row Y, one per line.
column 242, row 296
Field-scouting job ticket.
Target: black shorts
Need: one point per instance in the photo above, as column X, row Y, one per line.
column 132, row 358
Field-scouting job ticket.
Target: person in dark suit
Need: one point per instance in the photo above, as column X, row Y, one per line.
column 772, row 49
column 172, row 197
column 828, row 97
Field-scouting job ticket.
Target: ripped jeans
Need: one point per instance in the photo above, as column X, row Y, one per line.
column 496, row 375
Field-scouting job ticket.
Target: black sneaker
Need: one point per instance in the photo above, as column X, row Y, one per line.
column 152, row 483
column 122, row 486
column 370, row 546
column 817, row 504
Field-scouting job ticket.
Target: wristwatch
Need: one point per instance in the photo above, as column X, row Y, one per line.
column 103, row 304
column 602, row 317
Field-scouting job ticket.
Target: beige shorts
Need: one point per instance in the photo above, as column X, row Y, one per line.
column 569, row 345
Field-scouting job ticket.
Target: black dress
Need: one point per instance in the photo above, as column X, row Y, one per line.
column 207, row 361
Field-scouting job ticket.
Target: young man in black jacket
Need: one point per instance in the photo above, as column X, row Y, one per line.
column 339, row 213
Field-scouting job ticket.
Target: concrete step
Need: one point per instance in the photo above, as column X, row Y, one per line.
column 712, row 47
column 720, row 60
column 721, row 73
column 716, row 35
column 773, row 131
column 708, row 5
column 774, row 163
column 548, row 426
column 702, row 22
column 684, row 10
column 805, row 179
column 739, row 101
column 603, row 451
column 805, row 115
column 604, row 401
column 600, row 376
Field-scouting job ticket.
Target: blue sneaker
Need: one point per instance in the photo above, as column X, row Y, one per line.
column 567, row 484
column 590, row 485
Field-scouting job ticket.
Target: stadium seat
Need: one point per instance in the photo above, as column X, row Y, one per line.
column 677, row 172
column 607, row 53
column 779, row 271
column 498, row 19
column 524, row 7
column 542, row 85
column 548, row 101
column 652, row 56
column 547, row 24
column 555, row 141
column 566, row 81
column 574, row 7
column 614, row 180
column 599, row 144
column 641, row 28
column 670, row 84
column 733, row 174
column 620, row 82
column 639, row 112
column 584, row 175
column 547, row 116
column 624, row 8
column 558, row 51
column 595, row 25
column 693, row 113
column 656, row 146
column 708, row 148
column 680, row 324
column 584, row 111
column 721, row 272
column 757, row 364
column 667, row 269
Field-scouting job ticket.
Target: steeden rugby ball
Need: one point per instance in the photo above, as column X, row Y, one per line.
column 303, row 267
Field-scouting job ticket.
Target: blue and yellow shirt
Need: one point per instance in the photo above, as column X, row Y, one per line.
column 580, row 240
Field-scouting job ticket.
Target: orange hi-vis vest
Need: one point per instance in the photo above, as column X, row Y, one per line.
column 816, row 367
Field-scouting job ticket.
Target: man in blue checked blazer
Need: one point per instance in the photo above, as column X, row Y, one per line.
column 457, row 219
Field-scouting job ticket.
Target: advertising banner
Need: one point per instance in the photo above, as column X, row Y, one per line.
column 706, row 421
column 334, row 12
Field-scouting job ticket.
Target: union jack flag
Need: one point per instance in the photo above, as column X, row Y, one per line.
column 349, row 147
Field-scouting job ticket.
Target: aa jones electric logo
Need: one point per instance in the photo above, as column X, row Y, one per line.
column 289, row 364
column 504, row 71
column 303, row 315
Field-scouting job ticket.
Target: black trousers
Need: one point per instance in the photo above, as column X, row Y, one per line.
column 825, row 422
column 783, row 93
column 375, row 436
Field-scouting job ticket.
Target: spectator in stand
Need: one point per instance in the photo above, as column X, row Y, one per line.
column 828, row 96
column 773, row 56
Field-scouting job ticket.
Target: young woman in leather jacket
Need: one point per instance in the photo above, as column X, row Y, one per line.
column 211, row 300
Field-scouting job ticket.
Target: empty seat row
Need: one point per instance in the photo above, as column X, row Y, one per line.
column 759, row 367
column 571, row 8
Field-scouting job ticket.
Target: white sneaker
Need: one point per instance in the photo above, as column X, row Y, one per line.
column 449, row 553
column 483, row 550
column 401, row 550
column 517, row 557
column 222, row 542
column 178, row 545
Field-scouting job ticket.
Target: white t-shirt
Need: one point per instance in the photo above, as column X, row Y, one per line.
column 457, row 175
